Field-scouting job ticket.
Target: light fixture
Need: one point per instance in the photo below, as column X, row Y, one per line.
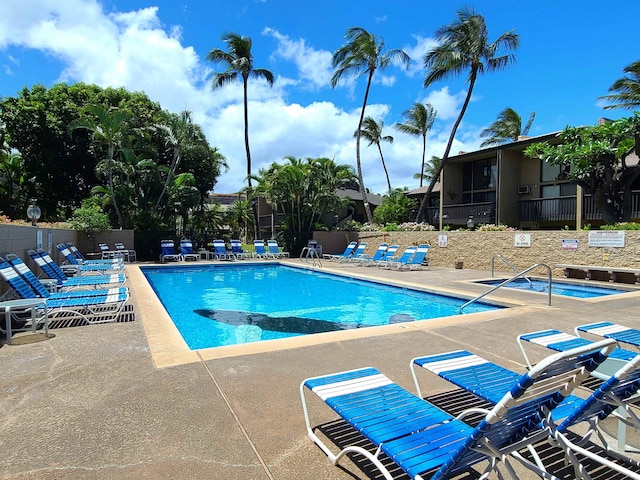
column 470, row 222
column 33, row 212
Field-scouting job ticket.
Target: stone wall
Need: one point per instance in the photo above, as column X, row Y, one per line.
column 476, row 249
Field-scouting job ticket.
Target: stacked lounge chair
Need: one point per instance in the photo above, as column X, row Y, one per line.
column 53, row 271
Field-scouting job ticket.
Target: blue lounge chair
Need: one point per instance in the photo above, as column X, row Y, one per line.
column 275, row 250
column 347, row 253
column 220, row 251
column 53, row 271
column 90, row 266
column 128, row 254
column 366, row 259
column 260, row 250
column 399, row 262
column 388, row 255
column 237, row 251
column 186, row 250
column 490, row 382
column 92, row 306
column 168, row 252
column 76, row 258
column 422, row 439
column 418, row 260
column 612, row 330
column 357, row 253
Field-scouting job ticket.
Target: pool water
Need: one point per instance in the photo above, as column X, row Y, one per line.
column 558, row 288
column 216, row 305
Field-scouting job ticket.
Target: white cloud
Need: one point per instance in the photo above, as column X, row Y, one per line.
column 134, row 50
column 314, row 66
column 417, row 53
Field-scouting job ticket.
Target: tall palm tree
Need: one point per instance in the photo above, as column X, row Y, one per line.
column 507, row 127
column 372, row 132
column 430, row 169
column 109, row 127
column 627, row 88
column 239, row 62
column 419, row 120
column 464, row 45
column 363, row 54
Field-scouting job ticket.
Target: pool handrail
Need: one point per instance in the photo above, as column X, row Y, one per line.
column 509, row 264
column 519, row 275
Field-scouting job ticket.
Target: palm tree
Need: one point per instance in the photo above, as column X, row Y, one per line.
column 109, row 127
column 464, row 45
column 507, row 127
column 419, row 120
column 627, row 88
column 430, row 169
column 372, row 132
column 239, row 63
column 362, row 55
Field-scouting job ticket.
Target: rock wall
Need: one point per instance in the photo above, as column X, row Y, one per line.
column 476, row 249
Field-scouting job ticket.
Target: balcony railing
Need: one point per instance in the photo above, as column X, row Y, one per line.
column 482, row 213
column 564, row 209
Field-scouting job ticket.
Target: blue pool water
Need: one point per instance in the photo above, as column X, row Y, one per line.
column 216, row 305
column 558, row 288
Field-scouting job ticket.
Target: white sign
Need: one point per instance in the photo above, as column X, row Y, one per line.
column 522, row 240
column 606, row 238
column 570, row 244
column 443, row 241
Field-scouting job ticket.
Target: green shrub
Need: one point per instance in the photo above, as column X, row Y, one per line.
column 622, row 226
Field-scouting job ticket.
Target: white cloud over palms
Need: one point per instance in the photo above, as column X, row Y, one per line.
column 135, row 50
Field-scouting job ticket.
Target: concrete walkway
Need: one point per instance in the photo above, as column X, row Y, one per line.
column 118, row 401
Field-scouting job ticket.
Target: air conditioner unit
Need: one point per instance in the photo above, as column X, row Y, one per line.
column 523, row 189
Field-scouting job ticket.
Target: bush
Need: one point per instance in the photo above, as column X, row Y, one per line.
column 622, row 226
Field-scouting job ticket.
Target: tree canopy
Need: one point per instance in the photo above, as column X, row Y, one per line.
column 112, row 144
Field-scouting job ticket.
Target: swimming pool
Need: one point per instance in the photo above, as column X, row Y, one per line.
column 558, row 288
column 217, row 305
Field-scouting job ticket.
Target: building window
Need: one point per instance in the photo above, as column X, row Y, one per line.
column 479, row 180
column 550, row 173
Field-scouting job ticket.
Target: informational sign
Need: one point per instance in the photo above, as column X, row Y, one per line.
column 39, row 239
column 522, row 240
column 570, row 245
column 443, row 241
column 49, row 241
column 606, row 238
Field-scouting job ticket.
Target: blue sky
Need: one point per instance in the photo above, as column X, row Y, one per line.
column 570, row 53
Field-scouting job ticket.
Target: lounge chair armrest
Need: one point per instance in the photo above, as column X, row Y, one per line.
column 472, row 411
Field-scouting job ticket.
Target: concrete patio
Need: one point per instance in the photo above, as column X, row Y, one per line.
column 125, row 400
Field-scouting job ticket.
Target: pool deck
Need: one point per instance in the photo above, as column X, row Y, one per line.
column 127, row 400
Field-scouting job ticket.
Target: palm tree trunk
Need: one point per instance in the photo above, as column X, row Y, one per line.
column 172, row 169
column 424, row 152
column 254, row 204
column 445, row 156
column 384, row 166
column 111, row 188
column 363, row 191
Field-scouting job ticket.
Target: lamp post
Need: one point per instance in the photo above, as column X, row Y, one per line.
column 470, row 223
column 33, row 212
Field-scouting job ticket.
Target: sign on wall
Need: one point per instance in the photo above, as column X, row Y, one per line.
column 443, row 241
column 570, row 245
column 522, row 240
column 606, row 238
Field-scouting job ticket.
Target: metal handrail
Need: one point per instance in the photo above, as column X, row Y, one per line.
column 509, row 264
column 537, row 265
column 309, row 254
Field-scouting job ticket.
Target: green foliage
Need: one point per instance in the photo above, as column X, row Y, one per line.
column 597, row 158
column 354, row 226
column 390, row 227
column 489, row 227
column 622, row 226
column 75, row 141
column 396, row 207
column 304, row 192
column 90, row 219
